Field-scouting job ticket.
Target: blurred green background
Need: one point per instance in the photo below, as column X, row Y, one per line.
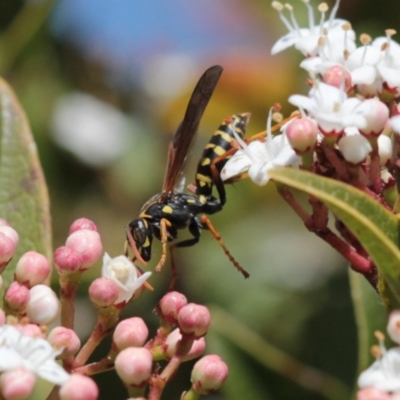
column 105, row 84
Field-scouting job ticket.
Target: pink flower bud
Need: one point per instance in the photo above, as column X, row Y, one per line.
column 208, row 374
column 17, row 384
column 377, row 115
column 372, row 394
column 169, row 305
column 171, row 342
column 67, row 261
column 44, row 306
column 65, row 338
column 82, row 223
column 87, row 243
column 32, row 268
column 133, row 366
column 194, row 320
column 79, row 387
column 103, row 292
column 334, row 76
column 302, row 135
column 31, row 330
column 10, row 233
column 17, row 297
column 7, row 249
column 131, row 332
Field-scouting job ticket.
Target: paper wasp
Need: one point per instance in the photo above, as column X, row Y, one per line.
column 165, row 213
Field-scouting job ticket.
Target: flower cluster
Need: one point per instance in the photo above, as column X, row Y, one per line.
column 29, row 350
column 346, row 128
column 381, row 381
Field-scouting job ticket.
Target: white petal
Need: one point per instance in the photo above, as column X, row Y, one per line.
column 52, row 372
column 363, row 75
column 284, row 42
column 301, row 101
column 236, row 165
column 390, row 75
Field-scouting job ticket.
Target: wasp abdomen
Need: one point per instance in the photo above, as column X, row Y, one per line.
column 219, row 144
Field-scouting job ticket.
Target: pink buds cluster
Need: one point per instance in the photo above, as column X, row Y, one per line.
column 82, row 248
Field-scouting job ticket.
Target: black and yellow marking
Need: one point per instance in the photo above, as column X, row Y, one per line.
column 221, row 141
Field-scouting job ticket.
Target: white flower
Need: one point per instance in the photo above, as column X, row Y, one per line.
column 384, row 373
column 307, row 39
column 33, row 354
column 331, row 108
column 389, row 64
column 124, row 274
column 258, row 158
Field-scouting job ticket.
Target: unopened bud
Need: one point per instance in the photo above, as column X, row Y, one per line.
column 334, row 76
column 208, row 374
column 354, row 148
column 61, row 337
column 82, row 223
column 194, row 320
column 79, row 387
column 385, row 149
column 170, row 346
column 32, row 268
column 103, row 292
column 131, row 332
column 371, row 393
column 67, row 261
column 17, row 384
column 302, row 135
column 17, row 297
column 87, row 243
column 376, row 116
column 43, row 306
column 8, row 243
column 169, row 306
column 133, row 366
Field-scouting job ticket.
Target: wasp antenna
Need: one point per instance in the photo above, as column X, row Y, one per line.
column 132, row 243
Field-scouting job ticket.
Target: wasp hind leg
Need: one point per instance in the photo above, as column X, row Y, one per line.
column 206, row 224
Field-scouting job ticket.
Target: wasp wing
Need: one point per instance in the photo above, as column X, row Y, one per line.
column 183, row 138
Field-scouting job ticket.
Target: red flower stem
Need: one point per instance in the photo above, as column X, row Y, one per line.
column 105, row 364
column 320, row 214
column 158, row 382
column 103, row 327
column 336, row 162
column 358, row 262
column 69, row 286
column 287, row 195
column 375, row 167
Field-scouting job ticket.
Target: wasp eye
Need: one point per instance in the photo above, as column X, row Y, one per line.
column 139, row 231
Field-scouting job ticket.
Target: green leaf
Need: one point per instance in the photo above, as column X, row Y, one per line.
column 374, row 226
column 370, row 316
column 24, row 201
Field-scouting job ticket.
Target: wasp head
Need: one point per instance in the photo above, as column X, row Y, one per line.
column 142, row 235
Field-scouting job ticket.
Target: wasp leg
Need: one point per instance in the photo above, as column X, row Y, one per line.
column 205, row 221
column 195, row 231
column 131, row 242
column 215, row 173
column 164, row 225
